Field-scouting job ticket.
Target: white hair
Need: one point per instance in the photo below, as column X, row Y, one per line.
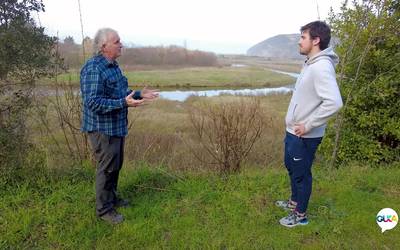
column 101, row 38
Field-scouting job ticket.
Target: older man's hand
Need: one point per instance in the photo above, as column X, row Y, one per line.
column 149, row 94
column 130, row 102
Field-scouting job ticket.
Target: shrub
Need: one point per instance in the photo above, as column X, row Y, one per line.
column 227, row 131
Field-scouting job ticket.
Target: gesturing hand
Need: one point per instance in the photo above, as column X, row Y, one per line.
column 130, row 102
column 149, row 94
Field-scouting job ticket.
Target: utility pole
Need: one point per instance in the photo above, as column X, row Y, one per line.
column 83, row 38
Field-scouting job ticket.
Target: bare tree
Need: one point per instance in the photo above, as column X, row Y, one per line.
column 227, row 131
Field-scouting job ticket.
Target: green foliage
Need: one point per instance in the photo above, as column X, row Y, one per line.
column 26, row 54
column 13, row 133
column 369, row 74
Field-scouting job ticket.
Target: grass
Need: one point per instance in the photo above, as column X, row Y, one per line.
column 164, row 131
column 210, row 77
column 197, row 211
column 269, row 63
column 199, row 77
column 185, row 205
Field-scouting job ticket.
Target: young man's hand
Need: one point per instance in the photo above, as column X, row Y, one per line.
column 299, row 129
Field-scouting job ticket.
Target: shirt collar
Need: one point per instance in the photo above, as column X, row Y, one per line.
column 107, row 62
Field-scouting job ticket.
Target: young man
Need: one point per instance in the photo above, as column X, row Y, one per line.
column 315, row 99
column 106, row 99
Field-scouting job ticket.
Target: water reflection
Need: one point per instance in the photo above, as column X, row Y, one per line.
column 183, row 95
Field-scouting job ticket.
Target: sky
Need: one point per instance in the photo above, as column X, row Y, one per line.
column 219, row 26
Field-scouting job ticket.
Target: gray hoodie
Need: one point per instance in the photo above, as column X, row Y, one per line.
column 316, row 96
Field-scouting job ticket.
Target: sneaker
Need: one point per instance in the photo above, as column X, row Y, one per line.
column 112, row 217
column 294, row 219
column 121, row 203
column 287, row 205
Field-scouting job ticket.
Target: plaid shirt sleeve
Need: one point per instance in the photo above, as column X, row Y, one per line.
column 94, row 93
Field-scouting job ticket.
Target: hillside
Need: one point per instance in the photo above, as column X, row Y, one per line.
column 280, row 46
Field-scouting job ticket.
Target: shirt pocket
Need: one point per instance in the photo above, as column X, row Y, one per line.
column 114, row 87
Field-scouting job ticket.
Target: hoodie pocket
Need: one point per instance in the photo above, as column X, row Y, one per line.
column 293, row 114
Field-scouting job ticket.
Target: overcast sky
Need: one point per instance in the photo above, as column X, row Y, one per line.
column 220, row 26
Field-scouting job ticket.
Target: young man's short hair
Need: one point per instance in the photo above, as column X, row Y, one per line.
column 319, row 29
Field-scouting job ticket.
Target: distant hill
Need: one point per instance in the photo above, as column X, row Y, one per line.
column 280, row 46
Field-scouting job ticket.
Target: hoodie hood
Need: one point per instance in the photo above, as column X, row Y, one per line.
column 328, row 54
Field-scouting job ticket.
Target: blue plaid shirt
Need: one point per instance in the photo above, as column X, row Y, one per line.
column 104, row 89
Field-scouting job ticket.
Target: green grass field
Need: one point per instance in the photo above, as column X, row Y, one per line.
column 269, row 63
column 201, row 211
column 209, row 77
column 198, row 77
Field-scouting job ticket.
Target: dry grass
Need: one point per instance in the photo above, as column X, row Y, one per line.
column 161, row 132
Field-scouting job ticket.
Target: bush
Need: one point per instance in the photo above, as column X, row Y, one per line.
column 227, row 131
column 368, row 127
column 26, row 54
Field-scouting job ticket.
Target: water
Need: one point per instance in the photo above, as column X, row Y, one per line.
column 238, row 65
column 182, row 95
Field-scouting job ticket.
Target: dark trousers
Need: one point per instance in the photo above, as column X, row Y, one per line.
column 109, row 154
column 299, row 156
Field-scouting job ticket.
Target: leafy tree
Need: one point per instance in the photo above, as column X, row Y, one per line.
column 26, row 54
column 368, row 127
column 69, row 40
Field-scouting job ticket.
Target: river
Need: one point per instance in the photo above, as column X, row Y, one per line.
column 182, row 95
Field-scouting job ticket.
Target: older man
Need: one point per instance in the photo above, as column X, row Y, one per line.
column 106, row 99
